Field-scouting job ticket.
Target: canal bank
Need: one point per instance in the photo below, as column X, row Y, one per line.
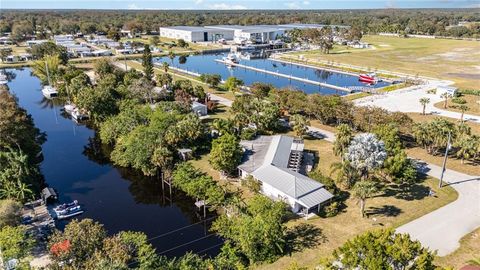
column 75, row 164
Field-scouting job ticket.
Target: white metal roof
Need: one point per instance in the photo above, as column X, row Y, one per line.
column 269, row 164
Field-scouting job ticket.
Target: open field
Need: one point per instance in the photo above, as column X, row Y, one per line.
column 473, row 104
column 455, row 60
column 469, row 250
column 391, row 209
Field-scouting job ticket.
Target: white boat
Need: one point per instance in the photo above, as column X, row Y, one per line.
column 231, row 58
column 78, row 115
column 70, row 215
column 69, row 108
column 3, row 78
column 66, row 205
column 68, row 210
column 48, row 90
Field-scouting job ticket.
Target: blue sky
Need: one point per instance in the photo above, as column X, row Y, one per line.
column 234, row 4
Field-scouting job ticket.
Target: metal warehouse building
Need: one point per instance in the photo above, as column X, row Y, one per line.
column 195, row 33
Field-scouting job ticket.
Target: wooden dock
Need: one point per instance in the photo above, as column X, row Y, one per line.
column 290, row 77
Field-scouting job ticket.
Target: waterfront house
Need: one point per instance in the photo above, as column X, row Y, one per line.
column 277, row 162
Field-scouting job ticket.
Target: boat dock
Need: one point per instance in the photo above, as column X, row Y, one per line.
column 290, row 77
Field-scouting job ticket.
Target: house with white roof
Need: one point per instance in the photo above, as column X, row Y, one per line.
column 276, row 162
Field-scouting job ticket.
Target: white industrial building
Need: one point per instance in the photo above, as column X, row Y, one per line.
column 276, row 162
column 238, row 33
column 195, row 33
column 253, row 33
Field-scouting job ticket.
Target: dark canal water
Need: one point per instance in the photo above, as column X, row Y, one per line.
column 120, row 199
column 206, row 64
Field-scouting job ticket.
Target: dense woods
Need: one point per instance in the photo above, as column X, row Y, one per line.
column 443, row 22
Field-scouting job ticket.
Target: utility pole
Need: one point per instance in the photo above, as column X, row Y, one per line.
column 445, row 160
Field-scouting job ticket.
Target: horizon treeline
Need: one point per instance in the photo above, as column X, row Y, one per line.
column 441, row 22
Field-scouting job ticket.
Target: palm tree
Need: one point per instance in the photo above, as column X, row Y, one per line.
column 300, row 124
column 342, row 139
column 165, row 66
column 362, row 191
column 346, row 175
column 424, row 101
column 171, row 55
column 468, row 146
column 39, row 68
column 445, row 96
column 463, row 108
column 23, row 191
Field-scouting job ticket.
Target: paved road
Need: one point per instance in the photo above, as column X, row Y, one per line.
column 443, row 228
column 407, row 100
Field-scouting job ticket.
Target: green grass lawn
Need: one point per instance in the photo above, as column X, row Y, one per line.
column 456, row 60
column 473, row 104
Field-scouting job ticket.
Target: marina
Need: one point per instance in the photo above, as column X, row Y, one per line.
column 255, row 67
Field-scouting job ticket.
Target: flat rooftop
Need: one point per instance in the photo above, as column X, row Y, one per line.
column 187, row 28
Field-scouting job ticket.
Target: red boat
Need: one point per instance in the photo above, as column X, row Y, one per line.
column 367, row 78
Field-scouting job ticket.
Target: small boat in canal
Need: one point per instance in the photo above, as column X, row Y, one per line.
column 48, row 90
column 69, row 108
column 66, row 205
column 3, row 78
column 68, row 210
column 78, row 115
column 368, row 78
column 231, row 58
column 70, row 214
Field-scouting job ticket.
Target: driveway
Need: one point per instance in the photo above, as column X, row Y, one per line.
column 442, row 229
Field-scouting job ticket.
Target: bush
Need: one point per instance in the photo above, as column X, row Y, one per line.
column 332, row 209
column 470, row 92
column 252, row 184
column 459, row 100
column 248, row 134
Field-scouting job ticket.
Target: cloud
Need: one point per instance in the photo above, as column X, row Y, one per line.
column 133, row 6
column 226, row 6
column 292, row 5
column 297, row 4
column 198, row 2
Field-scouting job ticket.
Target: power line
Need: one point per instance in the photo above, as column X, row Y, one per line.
column 214, row 246
column 179, row 229
column 188, row 243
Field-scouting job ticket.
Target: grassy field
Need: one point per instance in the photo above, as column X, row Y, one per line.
column 391, row 209
column 473, row 103
column 455, row 60
column 469, row 250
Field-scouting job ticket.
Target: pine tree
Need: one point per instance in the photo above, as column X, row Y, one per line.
column 147, row 63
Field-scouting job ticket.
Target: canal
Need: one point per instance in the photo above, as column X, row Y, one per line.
column 206, row 64
column 121, row 199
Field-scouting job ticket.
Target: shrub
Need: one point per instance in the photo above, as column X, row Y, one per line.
column 475, row 92
column 459, row 100
column 248, row 134
column 252, row 184
column 332, row 209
